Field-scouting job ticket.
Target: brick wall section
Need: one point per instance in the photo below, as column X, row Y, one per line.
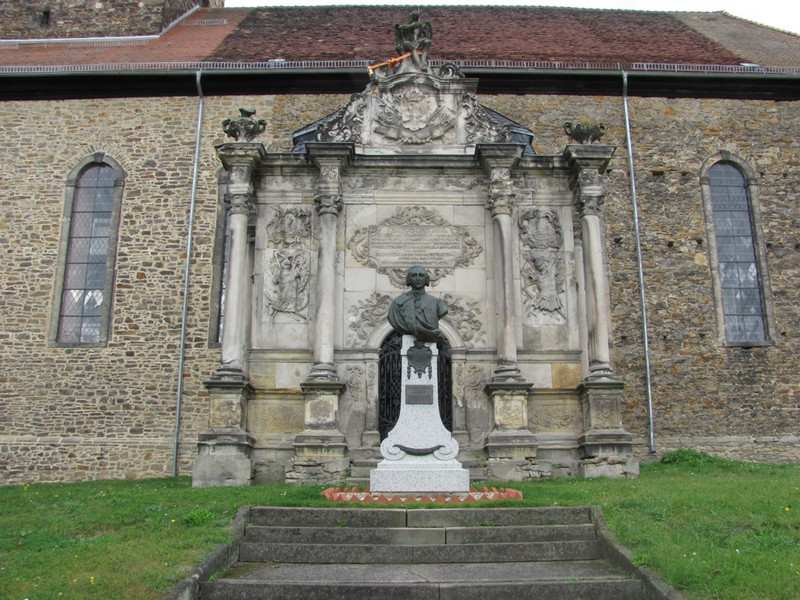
column 79, row 18
column 82, row 413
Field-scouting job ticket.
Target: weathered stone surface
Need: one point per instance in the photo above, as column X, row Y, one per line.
column 83, row 413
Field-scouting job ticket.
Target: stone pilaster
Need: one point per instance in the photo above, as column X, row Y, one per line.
column 320, row 449
column 606, row 447
column 223, row 454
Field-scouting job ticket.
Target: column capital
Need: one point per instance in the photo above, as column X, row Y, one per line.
column 591, row 192
column 498, row 160
column 239, row 203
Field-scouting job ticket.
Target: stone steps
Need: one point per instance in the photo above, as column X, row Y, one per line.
column 442, row 554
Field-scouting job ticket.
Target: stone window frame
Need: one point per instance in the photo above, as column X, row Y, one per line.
column 218, row 262
column 96, row 159
column 751, row 183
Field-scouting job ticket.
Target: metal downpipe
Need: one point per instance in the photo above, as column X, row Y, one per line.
column 186, row 272
column 640, row 268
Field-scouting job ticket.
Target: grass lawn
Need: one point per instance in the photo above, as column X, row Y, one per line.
column 716, row 530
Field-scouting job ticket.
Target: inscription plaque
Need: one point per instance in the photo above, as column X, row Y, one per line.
column 398, row 247
column 419, row 394
column 414, row 235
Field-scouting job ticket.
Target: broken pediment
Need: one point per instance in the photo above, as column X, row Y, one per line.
column 411, row 107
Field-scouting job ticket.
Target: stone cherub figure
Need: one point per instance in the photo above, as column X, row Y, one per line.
column 416, row 312
column 415, row 37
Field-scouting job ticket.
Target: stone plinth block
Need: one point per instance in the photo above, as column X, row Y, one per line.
column 606, row 447
column 320, row 451
column 510, row 447
column 419, row 454
column 229, row 392
column 223, row 459
column 321, row 399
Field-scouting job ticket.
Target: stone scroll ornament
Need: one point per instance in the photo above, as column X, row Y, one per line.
column 414, row 235
column 465, row 315
column 347, row 124
column 288, row 293
column 244, row 128
column 366, row 316
column 480, row 128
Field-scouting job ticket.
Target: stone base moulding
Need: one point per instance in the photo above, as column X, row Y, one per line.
column 606, row 447
column 223, row 459
column 223, row 450
column 320, row 457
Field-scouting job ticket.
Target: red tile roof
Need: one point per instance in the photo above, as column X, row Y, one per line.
column 459, row 33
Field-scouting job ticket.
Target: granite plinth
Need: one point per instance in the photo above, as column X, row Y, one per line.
column 419, row 452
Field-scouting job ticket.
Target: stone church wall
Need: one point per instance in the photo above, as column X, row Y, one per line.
column 20, row 19
column 84, row 413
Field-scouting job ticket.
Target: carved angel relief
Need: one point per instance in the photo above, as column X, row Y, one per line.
column 287, row 291
column 542, row 266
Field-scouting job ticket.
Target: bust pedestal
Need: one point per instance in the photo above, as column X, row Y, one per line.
column 419, row 454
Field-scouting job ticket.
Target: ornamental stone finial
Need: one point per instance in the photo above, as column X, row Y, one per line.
column 245, row 127
column 585, row 131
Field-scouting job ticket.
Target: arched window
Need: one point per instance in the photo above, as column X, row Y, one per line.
column 738, row 264
column 84, row 281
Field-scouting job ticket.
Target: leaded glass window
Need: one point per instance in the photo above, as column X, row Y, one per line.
column 737, row 260
column 88, row 251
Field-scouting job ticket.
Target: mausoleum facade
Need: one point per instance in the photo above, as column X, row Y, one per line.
column 610, row 294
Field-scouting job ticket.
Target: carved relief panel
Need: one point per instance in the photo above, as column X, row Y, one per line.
column 542, row 267
column 284, row 275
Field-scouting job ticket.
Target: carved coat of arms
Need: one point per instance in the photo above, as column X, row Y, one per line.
column 413, row 114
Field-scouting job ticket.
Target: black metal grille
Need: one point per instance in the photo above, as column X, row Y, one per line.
column 389, row 384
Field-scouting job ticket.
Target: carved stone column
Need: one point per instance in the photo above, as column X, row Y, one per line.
column 224, row 448
column 510, row 447
column 497, row 160
column 607, row 449
column 320, row 449
column 591, row 196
